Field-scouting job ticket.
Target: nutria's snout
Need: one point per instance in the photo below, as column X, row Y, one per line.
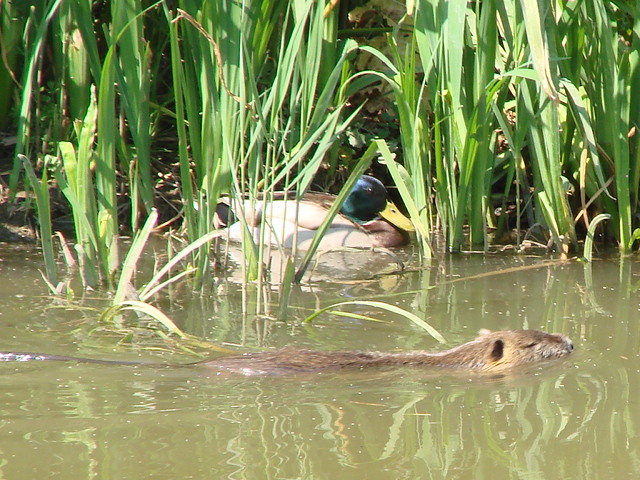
column 566, row 341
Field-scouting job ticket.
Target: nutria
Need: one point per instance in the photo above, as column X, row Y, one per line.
column 492, row 352
column 489, row 352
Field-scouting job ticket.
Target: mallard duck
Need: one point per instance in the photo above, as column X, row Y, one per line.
column 367, row 219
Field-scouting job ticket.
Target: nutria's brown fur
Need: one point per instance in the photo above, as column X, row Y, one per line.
column 493, row 352
column 490, row 352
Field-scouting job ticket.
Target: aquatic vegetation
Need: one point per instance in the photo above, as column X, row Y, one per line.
column 506, row 119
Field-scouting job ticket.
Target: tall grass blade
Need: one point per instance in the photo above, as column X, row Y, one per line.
column 134, row 82
column 146, row 309
column 400, row 180
column 12, row 22
column 133, row 255
column 105, row 169
column 28, row 81
column 356, row 173
column 384, row 306
column 149, row 289
column 41, row 190
column 588, row 243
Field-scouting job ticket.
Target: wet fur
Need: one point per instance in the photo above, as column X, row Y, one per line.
column 490, row 352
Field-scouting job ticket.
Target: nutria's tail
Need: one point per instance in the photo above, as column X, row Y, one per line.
column 31, row 357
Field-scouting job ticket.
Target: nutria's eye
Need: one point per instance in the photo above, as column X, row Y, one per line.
column 531, row 345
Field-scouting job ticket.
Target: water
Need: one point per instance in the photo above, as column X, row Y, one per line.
column 577, row 418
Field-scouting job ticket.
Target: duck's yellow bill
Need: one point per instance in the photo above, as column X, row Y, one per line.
column 392, row 215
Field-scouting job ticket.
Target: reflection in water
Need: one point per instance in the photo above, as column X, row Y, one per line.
column 145, row 423
column 572, row 419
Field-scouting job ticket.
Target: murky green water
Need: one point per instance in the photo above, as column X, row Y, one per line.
column 573, row 419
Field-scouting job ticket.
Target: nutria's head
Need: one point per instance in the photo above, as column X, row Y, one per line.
column 511, row 348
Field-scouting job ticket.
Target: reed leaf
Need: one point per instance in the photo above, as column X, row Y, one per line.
column 384, row 306
column 133, row 255
column 150, row 289
column 400, row 180
column 356, row 173
column 588, row 243
column 12, row 21
column 141, row 307
column 41, row 190
column 28, row 82
column 134, row 84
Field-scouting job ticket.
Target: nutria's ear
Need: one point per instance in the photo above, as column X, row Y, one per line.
column 484, row 331
column 497, row 351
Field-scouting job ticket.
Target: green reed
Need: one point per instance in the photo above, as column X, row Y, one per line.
column 457, row 48
column 255, row 123
column 12, row 21
column 133, row 77
column 537, row 68
column 257, row 108
column 75, row 180
column 41, row 190
column 498, row 103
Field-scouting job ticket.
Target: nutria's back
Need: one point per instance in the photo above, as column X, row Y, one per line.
column 490, row 352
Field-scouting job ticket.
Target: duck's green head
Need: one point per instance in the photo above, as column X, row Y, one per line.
column 368, row 201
